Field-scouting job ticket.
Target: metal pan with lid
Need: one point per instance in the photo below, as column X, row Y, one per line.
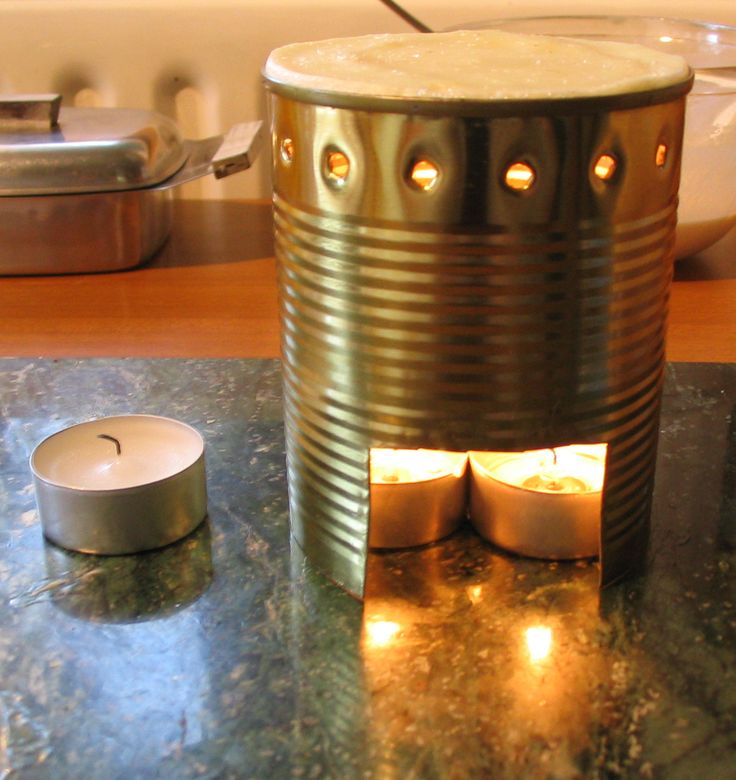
column 89, row 189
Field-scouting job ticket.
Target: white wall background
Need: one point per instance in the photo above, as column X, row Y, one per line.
column 200, row 60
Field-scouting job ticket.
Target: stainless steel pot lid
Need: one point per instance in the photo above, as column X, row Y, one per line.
column 45, row 149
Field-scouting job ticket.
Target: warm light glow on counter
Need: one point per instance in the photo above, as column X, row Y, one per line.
column 475, row 593
column 538, row 642
column 381, row 633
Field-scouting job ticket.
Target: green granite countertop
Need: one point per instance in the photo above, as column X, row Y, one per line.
column 226, row 656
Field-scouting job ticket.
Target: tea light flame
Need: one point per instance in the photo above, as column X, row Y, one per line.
column 571, row 469
column 416, row 496
column 390, row 466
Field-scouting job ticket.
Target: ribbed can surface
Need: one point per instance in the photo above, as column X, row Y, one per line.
column 469, row 314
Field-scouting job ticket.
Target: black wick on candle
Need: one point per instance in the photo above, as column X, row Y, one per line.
column 112, row 439
column 554, row 456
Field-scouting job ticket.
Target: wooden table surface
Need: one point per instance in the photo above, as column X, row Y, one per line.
column 211, row 292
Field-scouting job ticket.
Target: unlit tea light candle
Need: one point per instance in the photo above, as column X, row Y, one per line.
column 120, row 484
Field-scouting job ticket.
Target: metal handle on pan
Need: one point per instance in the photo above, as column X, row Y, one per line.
column 221, row 155
column 29, row 112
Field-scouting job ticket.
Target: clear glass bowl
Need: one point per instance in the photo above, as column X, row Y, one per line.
column 707, row 208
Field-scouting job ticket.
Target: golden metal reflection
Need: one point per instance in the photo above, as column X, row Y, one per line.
column 660, row 157
column 529, row 636
column 287, row 150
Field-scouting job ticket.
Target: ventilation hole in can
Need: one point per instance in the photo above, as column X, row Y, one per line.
column 605, row 167
column 424, row 175
column 338, row 166
column 287, row 150
column 660, row 156
column 519, row 177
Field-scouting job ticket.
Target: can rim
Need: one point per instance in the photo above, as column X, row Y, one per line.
column 491, row 108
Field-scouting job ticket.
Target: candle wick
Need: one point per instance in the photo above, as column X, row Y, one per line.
column 112, row 439
column 554, row 456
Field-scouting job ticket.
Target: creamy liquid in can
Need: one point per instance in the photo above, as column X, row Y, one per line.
column 475, row 65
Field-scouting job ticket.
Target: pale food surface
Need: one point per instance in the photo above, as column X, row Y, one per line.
column 473, row 64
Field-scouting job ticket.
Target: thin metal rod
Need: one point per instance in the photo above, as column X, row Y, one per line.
column 407, row 17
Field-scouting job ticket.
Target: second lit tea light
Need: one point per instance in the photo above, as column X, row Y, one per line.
column 417, row 496
column 540, row 503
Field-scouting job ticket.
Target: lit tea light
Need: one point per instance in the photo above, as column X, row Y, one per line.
column 557, row 470
column 542, row 503
column 417, row 496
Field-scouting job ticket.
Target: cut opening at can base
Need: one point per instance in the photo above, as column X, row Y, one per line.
column 544, row 503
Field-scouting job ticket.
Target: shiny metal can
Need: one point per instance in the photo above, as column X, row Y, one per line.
column 471, row 275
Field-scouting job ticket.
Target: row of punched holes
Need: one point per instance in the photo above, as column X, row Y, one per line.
column 424, row 174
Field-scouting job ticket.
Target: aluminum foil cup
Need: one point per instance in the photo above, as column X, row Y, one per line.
column 421, row 509
column 533, row 523
column 120, row 484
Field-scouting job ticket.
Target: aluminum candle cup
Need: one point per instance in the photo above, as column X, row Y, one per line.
column 120, row 484
column 541, row 504
column 465, row 266
column 417, row 496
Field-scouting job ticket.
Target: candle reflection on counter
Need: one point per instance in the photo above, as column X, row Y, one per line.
column 524, row 684
column 475, row 594
column 381, row 633
column 417, row 496
column 538, row 642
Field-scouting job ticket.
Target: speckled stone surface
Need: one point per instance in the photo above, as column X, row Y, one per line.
column 226, row 656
